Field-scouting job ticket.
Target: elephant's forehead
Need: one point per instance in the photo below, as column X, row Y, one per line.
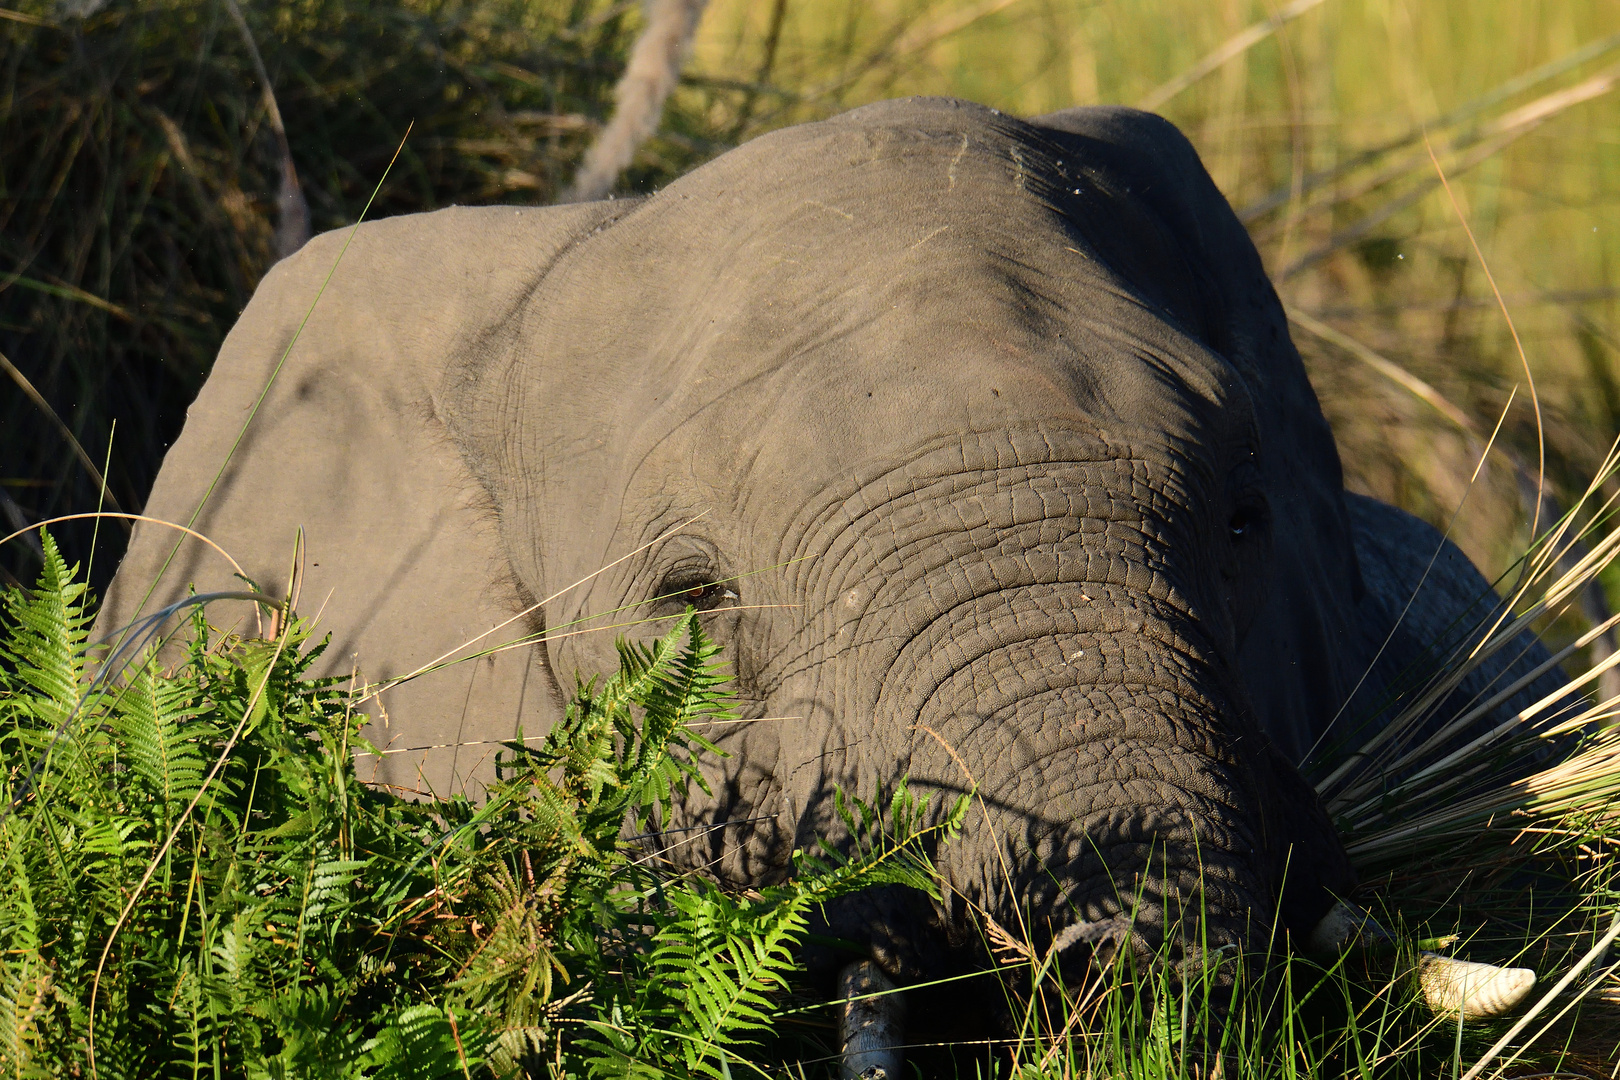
column 813, row 385
column 807, row 230
column 891, row 388
column 823, row 297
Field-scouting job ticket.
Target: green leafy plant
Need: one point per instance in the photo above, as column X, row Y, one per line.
column 196, row 883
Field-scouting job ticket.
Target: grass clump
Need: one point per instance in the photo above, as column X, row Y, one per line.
column 197, row 883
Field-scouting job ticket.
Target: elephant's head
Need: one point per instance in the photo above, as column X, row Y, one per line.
column 982, row 441
column 985, row 446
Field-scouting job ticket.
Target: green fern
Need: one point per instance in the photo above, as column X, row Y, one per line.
column 719, row 962
column 26, row 980
column 44, row 652
column 301, row 924
column 161, row 731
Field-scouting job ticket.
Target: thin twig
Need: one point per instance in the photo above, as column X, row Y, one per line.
column 73, row 440
column 1234, row 46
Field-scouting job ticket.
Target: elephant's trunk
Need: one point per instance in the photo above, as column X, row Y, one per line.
column 1101, row 731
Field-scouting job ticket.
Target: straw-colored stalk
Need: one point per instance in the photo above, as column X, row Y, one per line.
column 1441, row 789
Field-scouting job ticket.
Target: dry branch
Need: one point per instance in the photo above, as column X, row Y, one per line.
column 649, row 78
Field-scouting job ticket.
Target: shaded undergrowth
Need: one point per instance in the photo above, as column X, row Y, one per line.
column 197, row 884
column 141, row 172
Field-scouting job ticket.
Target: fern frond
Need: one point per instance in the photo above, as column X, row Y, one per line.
column 683, row 689
column 157, row 726
column 423, row 1041
column 50, row 625
column 718, row 962
column 26, row 982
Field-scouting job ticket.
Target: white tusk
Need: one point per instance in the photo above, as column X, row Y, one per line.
column 1450, row 986
column 1342, row 927
column 1475, row 991
column 871, row 1029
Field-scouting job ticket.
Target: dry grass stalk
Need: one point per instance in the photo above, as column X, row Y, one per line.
column 292, row 210
column 1234, row 46
column 1444, row 789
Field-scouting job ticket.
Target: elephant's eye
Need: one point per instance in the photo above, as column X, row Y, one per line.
column 1242, row 523
column 708, row 596
column 700, row 592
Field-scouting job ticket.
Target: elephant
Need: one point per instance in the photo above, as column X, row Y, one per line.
column 980, row 443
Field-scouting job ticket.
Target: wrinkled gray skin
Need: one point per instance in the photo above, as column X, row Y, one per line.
column 1007, row 413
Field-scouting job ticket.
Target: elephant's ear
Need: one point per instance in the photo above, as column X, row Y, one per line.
column 402, row 559
column 1301, row 656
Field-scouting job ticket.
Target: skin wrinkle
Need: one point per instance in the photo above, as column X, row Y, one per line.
column 1107, row 538
column 692, row 416
column 461, row 386
column 801, row 539
column 1105, row 855
column 924, row 684
column 1107, row 709
column 891, row 561
column 825, row 562
column 1049, row 610
column 938, row 622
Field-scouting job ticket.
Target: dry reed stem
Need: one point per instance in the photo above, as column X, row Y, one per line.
column 1527, row 117
column 1385, row 367
column 292, row 210
column 1467, row 150
column 1461, row 115
column 1232, row 47
column 649, row 78
column 1324, row 785
column 1494, row 135
column 129, row 517
column 1544, row 556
